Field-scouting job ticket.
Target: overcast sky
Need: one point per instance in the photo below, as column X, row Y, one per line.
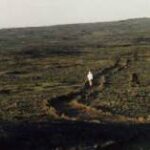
column 21, row 13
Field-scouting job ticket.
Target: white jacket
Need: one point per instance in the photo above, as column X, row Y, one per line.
column 90, row 76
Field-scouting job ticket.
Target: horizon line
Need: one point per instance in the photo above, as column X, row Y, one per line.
column 75, row 23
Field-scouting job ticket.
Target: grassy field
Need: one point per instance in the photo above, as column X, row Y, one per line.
column 43, row 72
column 39, row 64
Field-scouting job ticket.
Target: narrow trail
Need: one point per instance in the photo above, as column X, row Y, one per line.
column 106, row 73
column 85, row 94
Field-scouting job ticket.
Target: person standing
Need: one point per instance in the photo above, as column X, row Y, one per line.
column 90, row 78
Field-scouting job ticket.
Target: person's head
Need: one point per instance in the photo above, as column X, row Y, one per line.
column 90, row 70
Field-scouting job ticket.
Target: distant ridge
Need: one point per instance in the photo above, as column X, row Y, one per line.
column 122, row 20
column 77, row 36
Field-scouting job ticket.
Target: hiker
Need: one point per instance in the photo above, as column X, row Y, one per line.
column 90, row 78
column 134, row 80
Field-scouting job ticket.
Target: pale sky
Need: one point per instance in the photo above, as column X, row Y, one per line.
column 22, row 13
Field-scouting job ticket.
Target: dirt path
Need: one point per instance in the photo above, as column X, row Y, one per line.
column 86, row 94
column 92, row 93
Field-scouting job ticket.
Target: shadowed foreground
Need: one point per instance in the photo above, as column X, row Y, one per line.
column 70, row 135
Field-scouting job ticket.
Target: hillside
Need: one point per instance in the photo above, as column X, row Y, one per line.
column 43, row 73
column 123, row 33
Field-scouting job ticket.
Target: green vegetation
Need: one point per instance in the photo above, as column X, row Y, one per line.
column 45, row 100
column 39, row 64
